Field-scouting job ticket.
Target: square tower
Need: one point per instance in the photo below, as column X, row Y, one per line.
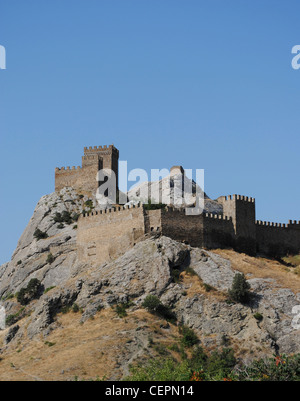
column 84, row 178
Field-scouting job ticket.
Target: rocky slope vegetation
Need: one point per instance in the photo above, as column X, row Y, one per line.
column 89, row 322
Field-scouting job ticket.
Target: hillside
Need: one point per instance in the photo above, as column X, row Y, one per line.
column 89, row 322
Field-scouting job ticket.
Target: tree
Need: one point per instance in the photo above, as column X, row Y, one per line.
column 239, row 291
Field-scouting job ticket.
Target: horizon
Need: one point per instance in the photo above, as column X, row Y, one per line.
column 204, row 85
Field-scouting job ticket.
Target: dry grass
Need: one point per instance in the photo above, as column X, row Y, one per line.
column 259, row 267
column 88, row 351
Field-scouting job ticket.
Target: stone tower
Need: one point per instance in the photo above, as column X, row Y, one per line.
column 84, row 179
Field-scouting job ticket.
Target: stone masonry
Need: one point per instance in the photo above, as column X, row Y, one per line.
column 107, row 234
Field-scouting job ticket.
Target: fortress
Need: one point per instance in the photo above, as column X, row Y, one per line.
column 106, row 234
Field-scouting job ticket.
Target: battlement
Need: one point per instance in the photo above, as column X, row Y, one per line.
column 294, row 222
column 237, row 198
column 291, row 224
column 83, row 178
column 217, row 216
column 63, row 169
column 270, row 224
column 105, row 234
column 99, row 149
column 115, row 209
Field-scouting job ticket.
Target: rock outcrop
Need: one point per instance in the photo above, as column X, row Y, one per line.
column 191, row 281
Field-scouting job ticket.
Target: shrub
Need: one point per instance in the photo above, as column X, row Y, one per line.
column 67, row 218
column 60, row 226
column 50, row 259
column 75, row 217
column 48, row 289
column 239, row 291
column 189, row 337
column 89, row 204
column 258, row 316
column 38, row 234
column 176, row 275
column 49, row 344
column 121, row 308
column 221, row 362
column 19, row 262
column 64, row 217
column 154, row 305
column 162, row 369
column 12, row 319
column 32, row 291
column 151, row 303
column 154, row 206
column 58, row 218
column 8, row 297
column 278, row 368
column 75, row 308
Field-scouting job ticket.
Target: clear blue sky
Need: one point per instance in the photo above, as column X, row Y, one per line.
column 205, row 84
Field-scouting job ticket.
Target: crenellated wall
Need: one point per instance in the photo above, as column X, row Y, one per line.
column 277, row 239
column 84, row 179
column 105, row 235
column 241, row 209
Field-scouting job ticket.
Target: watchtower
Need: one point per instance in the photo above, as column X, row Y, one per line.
column 85, row 178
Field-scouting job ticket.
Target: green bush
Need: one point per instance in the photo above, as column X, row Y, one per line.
column 49, row 289
column 154, row 305
column 221, row 362
column 121, row 308
column 258, row 316
column 50, row 259
column 278, row 368
column 75, row 308
column 89, row 204
column 189, row 337
column 162, row 369
column 217, row 366
column 38, row 234
column 151, row 303
column 32, row 291
column 239, row 291
column 64, row 217
column 154, row 206
column 12, row 319
column 19, row 262
column 75, row 217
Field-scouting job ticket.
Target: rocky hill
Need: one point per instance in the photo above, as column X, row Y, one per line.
column 89, row 322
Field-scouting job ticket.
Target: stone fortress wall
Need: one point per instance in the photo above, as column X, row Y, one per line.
column 107, row 234
column 84, row 178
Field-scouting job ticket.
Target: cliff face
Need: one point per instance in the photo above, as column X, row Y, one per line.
column 95, row 341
